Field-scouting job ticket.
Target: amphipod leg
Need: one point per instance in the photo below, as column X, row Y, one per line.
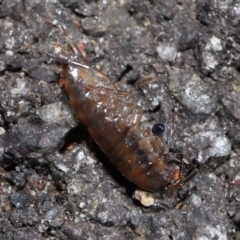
column 77, row 51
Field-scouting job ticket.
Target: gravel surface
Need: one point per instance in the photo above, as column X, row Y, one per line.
column 179, row 59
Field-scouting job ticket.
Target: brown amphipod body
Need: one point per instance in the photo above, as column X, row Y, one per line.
column 114, row 122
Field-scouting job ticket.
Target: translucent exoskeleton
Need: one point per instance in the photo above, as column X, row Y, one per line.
column 114, row 122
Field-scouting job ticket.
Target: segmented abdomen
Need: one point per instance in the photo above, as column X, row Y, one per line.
column 115, row 125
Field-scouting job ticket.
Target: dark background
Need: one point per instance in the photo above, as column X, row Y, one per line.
column 180, row 59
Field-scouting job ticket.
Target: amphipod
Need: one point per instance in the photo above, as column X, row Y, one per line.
column 114, row 122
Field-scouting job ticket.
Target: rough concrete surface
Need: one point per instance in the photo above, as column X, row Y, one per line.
column 181, row 61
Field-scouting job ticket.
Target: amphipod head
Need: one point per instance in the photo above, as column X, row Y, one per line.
column 176, row 178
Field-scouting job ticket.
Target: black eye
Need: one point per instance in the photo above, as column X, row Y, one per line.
column 158, row 129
